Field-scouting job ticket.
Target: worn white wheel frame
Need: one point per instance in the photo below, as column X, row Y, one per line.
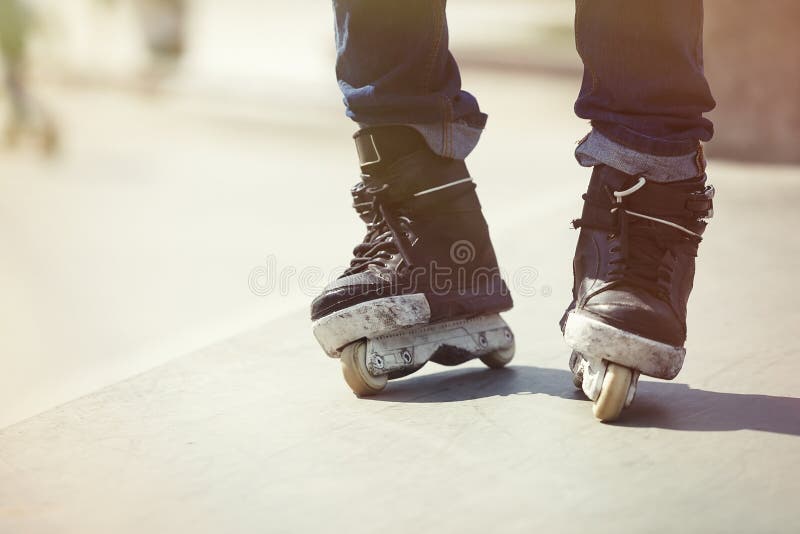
column 486, row 337
column 368, row 362
column 370, row 319
column 593, row 338
column 394, row 335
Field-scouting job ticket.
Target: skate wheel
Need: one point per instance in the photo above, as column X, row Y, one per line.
column 354, row 369
column 499, row 358
column 577, row 380
column 613, row 393
column 576, row 365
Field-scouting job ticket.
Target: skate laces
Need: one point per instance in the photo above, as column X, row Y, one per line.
column 378, row 246
column 647, row 251
column 386, row 222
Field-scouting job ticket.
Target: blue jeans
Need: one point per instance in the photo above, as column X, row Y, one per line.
column 643, row 85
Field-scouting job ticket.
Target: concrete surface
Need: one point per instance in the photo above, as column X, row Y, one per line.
column 136, row 244
column 173, row 222
column 259, row 433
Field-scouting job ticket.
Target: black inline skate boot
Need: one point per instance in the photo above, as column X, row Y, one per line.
column 424, row 284
column 634, row 268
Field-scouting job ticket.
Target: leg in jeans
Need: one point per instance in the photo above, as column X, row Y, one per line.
column 426, row 269
column 14, row 26
column 394, row 67
column 646, row 206
column 643, row 86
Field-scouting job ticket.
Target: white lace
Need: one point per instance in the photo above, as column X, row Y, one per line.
column 445, row 186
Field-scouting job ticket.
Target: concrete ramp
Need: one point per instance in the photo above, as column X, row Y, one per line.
column 260, row 434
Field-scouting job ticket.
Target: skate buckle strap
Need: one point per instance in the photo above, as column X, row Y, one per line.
column 416, row 176
column 367, row 149
column 669, row 200
column 702, row 202
column 398, row 167
column 620, row 195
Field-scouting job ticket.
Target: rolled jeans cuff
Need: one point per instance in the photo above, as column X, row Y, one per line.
column 454, row 140
column 597, row 149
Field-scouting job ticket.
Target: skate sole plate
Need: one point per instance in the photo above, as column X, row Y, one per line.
column 596, row 339
column 369, row 320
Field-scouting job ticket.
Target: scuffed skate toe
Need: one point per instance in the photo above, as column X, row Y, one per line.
column 632, row 310
column 348, row 291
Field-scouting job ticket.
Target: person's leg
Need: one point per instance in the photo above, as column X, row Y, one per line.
column 394, row 67
column 647, row 203
column 27, row 114
column 424, row 284
column 13, row 39
column 643, row 86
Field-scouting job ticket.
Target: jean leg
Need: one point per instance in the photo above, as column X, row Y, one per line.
column 643, row 84
column 394, row 67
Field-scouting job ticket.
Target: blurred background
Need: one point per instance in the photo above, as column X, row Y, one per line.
column 159, row 158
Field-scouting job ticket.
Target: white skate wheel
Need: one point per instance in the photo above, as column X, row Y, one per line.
column 499, row 358
column 354, row 369
column 614, row 393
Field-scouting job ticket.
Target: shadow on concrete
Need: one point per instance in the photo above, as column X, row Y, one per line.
column 477, row 383
column 666, row 405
